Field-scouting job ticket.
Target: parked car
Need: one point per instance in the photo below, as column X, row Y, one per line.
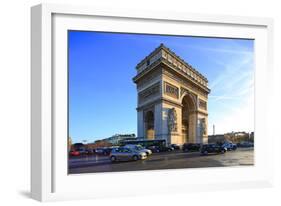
column 212, row 148
column 126, row 154
column 245, row 144
column 90, row 151
column 229, row 146
column 82, row 151
column 99, row 150
column 74, row 153
column 139, row 148
column 103, row 150
column 156, row 149
column 191, row 147
column 175, row 146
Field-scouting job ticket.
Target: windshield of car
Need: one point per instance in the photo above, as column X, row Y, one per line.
column 126, row 150
column 138, row 147
column 134, row 147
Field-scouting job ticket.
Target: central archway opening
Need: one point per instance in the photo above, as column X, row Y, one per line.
column 187, row 107
column 149, row 128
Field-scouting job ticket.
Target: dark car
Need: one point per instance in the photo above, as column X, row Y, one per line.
column 191, row 147
column 229, row 146
column 156, row 149
column 175, row 146
column 245, row 144
column 103, row 150
column 212, row 148
column 82, row 151
column 90, row 151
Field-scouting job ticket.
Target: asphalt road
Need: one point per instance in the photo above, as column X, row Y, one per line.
column 165, row 160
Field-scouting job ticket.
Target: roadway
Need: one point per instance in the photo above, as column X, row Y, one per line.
column 165, row 160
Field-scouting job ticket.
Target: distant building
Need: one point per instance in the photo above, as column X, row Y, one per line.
column 234, row 137
column 115, row 139
column 100, row 143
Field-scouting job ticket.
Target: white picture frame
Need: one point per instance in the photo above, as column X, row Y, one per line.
column 49, row 178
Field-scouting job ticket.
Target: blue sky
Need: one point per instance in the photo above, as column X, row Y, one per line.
column 103, row 97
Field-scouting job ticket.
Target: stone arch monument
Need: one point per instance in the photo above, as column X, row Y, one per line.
column 172, row 99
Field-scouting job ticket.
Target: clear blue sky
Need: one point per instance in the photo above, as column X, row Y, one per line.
column 103, row 97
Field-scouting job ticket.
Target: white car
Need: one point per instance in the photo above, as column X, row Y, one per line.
column 126, row 154
column 139, row 148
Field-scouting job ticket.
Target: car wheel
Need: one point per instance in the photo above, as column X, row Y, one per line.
column 223, row 151
column 113, row 159
column 135, row 158
column 205, row 152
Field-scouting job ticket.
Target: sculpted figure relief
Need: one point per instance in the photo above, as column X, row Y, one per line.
column 172, row 120
column 203, row 126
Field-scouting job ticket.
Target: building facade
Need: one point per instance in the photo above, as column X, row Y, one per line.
column 172, row 99
column 115, row 139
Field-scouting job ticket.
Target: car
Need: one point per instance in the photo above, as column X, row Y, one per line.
column 99, row 150
column 139, row 148
column 126, row 154
column 191, row 147
column 90, row 151
column 103, row 150
column 245, row 144
column 107, row 151
column 82, row 151
column 156, row 149
column 212, row 148
column 175, row 146
column 229, row 146
column 74, row 153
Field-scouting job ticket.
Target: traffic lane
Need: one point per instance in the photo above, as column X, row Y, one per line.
column 169, row 160
column 87, row 158
column 82, row 161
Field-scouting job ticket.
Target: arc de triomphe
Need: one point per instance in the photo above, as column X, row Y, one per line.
column 172, row 99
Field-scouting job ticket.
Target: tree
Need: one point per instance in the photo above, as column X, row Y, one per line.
column 69, row 143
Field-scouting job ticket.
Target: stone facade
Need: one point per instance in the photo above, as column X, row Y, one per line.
column 172, row 99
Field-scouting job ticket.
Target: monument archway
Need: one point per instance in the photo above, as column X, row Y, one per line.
column 172, row 99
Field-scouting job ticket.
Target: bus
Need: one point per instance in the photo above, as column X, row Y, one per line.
column 144, row 143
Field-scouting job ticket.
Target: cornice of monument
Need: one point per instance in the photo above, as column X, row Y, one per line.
column 206, row 89
column 173, row 54
column 155, row 64
column 163, row 54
